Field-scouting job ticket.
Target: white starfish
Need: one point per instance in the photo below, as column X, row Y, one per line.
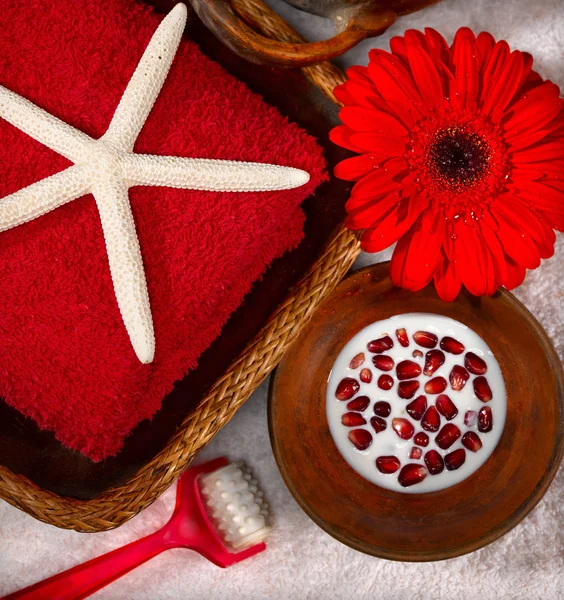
column 107, row 167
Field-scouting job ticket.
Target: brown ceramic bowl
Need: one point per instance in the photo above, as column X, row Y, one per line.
column 436, row 525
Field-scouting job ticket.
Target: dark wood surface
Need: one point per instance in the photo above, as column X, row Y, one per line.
column 36, row 454
column 436, row 525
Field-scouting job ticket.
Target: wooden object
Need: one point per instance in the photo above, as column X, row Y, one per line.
column 436, row 525
column 354, row 20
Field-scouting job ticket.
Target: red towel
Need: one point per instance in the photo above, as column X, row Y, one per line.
column 65, row 357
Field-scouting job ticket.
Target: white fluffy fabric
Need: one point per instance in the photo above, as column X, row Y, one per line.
column 302, row 561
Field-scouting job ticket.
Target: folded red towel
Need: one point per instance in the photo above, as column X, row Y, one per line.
column 65, row 357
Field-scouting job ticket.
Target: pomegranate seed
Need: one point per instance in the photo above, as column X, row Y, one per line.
column 416, row 408
column 458, row 377
column 446, row 407
column 382, row 408
column 431, row 420
column 470, row 418
column 357, row 360
column 412, row 474
column 378, row 424
column 482, row 389
column 435, row 385
column 472, row 441
column 347, row 388
column 485, row 419
column 359, row 404
column 352, row 419
column 433, row 360
column 475, row 364
column 425, row 339
column 447, row 436
column 387, row 464
column 407, row 389
column 360, row 438
column 380, row 345
column 401, row 334
column 365, row 375
column 407, row 369
column 449, row 344
column 421, row 439
column 403, row 428
column 434, row 462
column 385, row 382
column 416, row 453
column 455, row 459
column 384, row 362
column 417, row 353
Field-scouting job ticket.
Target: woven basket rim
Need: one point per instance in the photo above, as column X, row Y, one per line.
column 117, row 505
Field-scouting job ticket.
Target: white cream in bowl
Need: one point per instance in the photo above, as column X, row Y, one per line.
column 389, row 450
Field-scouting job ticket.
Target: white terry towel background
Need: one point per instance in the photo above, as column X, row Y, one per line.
column 303, row 562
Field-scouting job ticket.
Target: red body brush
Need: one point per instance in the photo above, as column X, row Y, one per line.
column 219, row 513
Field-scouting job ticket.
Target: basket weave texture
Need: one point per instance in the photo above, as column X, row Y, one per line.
column 117, row 505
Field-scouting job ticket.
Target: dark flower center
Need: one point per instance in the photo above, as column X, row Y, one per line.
column 457, row 158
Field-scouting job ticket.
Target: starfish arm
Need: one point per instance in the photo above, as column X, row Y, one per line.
column 44, row 127
column 126, row 265
column 146, row 82
column 209, row 175
column 42, row 197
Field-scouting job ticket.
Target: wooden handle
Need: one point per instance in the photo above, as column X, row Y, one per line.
column 220, row 18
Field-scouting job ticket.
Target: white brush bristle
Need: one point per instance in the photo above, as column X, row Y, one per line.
column 235, row 505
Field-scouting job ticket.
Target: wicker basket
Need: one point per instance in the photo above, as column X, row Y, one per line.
column 117, row 505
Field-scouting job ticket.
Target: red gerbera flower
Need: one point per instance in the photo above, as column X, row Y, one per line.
column 461, row 161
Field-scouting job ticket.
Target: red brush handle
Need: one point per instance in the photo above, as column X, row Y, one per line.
column 189, row 527
column 83, row 580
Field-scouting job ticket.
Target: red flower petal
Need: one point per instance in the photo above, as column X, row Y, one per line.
column 358, row 92
column 556, row 184
column 393, row 225
column 516, row 244
column 492, row 281
column 532, row 111
column 558, row 124
column 527, row 67
column 523, row 175
column 541, row 197
column 502, row 79
column 447, row 284
column 464, row 86
column 425, row 75
column 526, row 140
column 515, row 274
column 356, row 167
column 366, row 119
column 396, row 86
column 515, row 212
column 414, row 37
column 436, row 46
column 471, row 262
column 496, row 253
column 492, row 68
column 421, row 250
column 341, row 135
column 371, row 141
column 376, row 184
column 341, row 93
column 397, row 46
column 358, row 72
column 484, row 45
column 372, row 212
column 546, row 151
